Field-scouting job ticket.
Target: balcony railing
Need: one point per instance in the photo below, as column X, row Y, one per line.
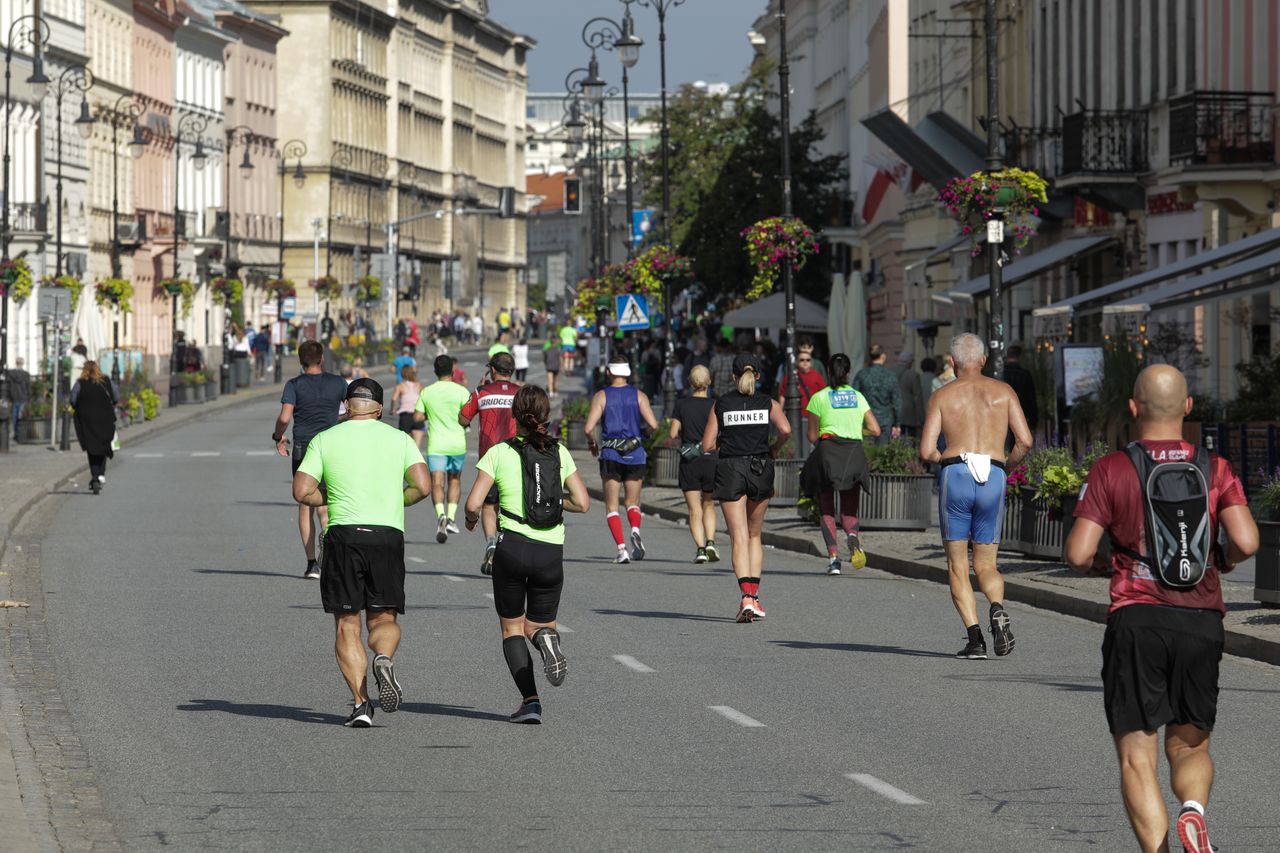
column 28, row 217
column 1036, row 148
column 1104, row 142
column 1222, row 128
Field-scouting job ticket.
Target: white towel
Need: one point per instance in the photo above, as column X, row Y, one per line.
column 979, row 465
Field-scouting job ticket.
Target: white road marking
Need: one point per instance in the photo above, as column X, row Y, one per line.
column 884, row 789
column 631, row 663
column 736, row 716
column 147, row 455
column 261, row 453
column 207, row 453
column 417, row 559
column 454, row 578
column 563, row 628
column 489, row 596
column 19, row 482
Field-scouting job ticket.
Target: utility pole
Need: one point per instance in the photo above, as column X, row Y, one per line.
column 995, row 226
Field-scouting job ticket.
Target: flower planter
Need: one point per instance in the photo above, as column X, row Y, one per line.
column 1266, row 572
column 1044, row 528
column 786, row 481
column 1011, row 527
column 211, row 390
column 666, row 467
column 33, row 430
column 577, row 436
column 185, row 395
column 197, row 392
column 897, row 502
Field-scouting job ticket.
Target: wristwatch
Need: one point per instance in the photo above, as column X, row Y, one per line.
column 277, row 439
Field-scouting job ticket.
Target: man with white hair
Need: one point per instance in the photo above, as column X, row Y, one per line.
column 975, row 414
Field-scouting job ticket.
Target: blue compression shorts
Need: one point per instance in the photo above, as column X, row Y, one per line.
column 968, row 511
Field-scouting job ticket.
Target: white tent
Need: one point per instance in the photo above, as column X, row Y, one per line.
column 87, row 324
column 855, row 319
column 771, row 312
column 835, row 315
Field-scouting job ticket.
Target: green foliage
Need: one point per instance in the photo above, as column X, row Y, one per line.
column 69, row 283
column 808, row 510
column 1058, row 482
column 1266, row 501
column 897, row 456
column 16, row 279
column 1259, row 379
column 1055, row 474
column 150, row 403
column 115, row 292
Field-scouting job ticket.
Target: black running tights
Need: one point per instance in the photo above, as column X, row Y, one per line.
column 527, row 570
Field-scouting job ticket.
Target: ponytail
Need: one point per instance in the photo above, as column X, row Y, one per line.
column 531, row 409
column 838, row 370
column 747, row 382
column 536, row 434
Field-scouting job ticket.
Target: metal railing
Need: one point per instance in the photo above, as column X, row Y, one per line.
column 28, row 216
column 1104, row 142
column 1222, row 128
column 1253, row 451
column 1036, row 148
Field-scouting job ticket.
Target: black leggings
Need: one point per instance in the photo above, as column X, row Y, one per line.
column 97, row 465
column 525, row 569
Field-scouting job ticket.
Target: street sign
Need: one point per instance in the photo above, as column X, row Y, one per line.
column 290, row 307
column 633, row 312
column 642, row 222
column 54, row 304
column 269, row 308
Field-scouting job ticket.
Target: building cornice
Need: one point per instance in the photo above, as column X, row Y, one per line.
column 241, row 23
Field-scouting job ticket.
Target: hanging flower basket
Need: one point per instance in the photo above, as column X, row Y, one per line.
column 368, row 289
column 16, row 280
column 771, row 243
column 179, row 287
column 328, row 288
column 646, row 274
column 226, row 291
column 1012, row 194
column 116, row 293
column 278, row 288
column 69, row 283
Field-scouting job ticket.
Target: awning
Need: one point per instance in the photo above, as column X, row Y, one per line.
column 1223, row 283
column 1259, row 242
column 938, row 148
column 1034, row 264
column 771, row 312
column 941, row 251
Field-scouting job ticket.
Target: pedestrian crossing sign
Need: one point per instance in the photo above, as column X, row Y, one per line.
column 633, row 311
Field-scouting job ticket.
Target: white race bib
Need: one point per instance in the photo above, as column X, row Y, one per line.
column 750, row 417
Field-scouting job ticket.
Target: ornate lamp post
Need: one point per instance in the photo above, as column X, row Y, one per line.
column 611, row 35
column 341, row 159
column 231, row 268
column 791, row 400
column 125, row 108
column 294, row 148
column 73, row 77
column 194, row 124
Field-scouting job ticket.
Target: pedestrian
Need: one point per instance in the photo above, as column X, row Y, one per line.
column 94, row 399
column 261, row 348
column 947, row 375
column 1023, row 384
column 311, row 401
column 528, row 566
column 80, row 354
column 363, row 466
column 625, row 417
column 721, row 369
column 520, row 352
column 839, row 421
column 499, row 345
column 440, row 405
column 477, row 328
column 1164, row 637
column 739, row 430
column 811, row 381
column 568, row 347
column 412, row 337
column 911, row 414
column 402, row 361
column 974, row 414
column 19, row 392
column 880, row 387
column 405, row 397
column 491, row 402
column 551, row 361
column 358, row 371
column 697, row 475
column 804, row 345
column 504, row 320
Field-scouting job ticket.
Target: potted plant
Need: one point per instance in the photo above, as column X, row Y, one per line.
column 16, row 280
column 69, row 283
column 327, row 288
column 226, row 291
column 573, row 419
column 900, row 492
column 1266, row 509
column 1011, row 524
column 33, row 426
column 210, row 386
column 1013, row 195
column 186, row 389
column 182, row 288
column 279, row 288
column 368, row 289
column 663, row 453
column 150, row 403
column 1048, row 501
column 786, row 474
column 116, row 293
column 647, row 274
column 772, row 241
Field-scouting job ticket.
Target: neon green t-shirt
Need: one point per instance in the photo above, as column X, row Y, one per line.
column 840, row 411
column 503, row 464
column 568, row 336
column 441, row 401
column 498, row 347
column 363, row 465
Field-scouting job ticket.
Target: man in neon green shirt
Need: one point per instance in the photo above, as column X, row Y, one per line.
column 568, row 346
column 364, row 465
column 439, row 405
column 500, row 345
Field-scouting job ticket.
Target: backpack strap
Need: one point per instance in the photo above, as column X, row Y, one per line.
column 1142, row 467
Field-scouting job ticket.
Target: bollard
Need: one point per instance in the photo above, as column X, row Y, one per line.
column 65, row 442
column 6, row 427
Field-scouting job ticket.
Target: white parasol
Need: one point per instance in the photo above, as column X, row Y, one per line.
column 835, row 315
column 855, row 319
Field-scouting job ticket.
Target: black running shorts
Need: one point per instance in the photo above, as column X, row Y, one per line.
column 613, row 470
column 526, row 570
column 1160, row 667
column 737, row 476
column 698, row 475
column 295, row 459
column 363, row 569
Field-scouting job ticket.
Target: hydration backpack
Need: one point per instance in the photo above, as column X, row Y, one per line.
column 543, row 488
column 1175, row 512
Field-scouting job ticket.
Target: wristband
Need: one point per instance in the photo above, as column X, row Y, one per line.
column 277, row 439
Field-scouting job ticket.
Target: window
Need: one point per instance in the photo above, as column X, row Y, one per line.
column 531, row 111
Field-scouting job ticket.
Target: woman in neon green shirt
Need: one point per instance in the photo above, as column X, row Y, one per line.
column 839, row 419
column 528, row 565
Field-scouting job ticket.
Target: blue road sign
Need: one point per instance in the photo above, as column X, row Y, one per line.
column 632, row 311
column 642, row 223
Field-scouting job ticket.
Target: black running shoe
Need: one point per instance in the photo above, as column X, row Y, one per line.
column 973, row 650
column 700, row 556
column 1001, row 636
column 389, row 692
column 637, row 546
column 361, row 716
column 712, row 554
column 486, row 565
column 442, row 535
column 547, row 642
column 529, row 712
column 313, row 570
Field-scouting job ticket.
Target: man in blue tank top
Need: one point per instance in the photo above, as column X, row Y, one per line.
column 624, row 415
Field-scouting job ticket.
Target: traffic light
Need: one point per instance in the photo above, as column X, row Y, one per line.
column 573, row 195
column 506, row 202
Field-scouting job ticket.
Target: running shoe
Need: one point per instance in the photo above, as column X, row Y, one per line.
column 1001, row 636
column 450, row 526
column 486, row 566
column 547, row 642
column 623, row 556
column 833, row 566
column 95, row 486
column 389, row 692
column 1193, row 832
column 637, row 546
column 857, row 557
column 361, row 716
column 712, row 554
column 441, row 533
column 313, row 570
column 700, row 556
column 973, row 650
column 529, row 712
column 746, row 613
column 757, row 607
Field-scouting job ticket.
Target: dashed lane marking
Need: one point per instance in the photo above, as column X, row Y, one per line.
column 261, row 453
column 736, row 716
column 417, row 559
column 631, row 663
column 884, row 789
column 147, row 455
column 207, row 453
column 454, row 578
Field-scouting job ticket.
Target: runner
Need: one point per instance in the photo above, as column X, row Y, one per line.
column 551, row 360
column 697, row 469
column 520, row 352
column 974, row 414
column 840, row 419
column 405, row 397
column 568, row 346
column 744, row 473
column 439, row 405
column 528, row 568
column 1163, row 643
column 492, row 402
column 311, row 401
column 499, row 345
column 364, row 466
column 624, row 413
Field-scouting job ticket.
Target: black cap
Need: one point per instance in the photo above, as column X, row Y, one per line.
column 503, row 363
column 365, row 389
column 744, row 362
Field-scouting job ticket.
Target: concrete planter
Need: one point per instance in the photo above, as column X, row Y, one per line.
column 185, row 395
column 1266, row 573
column 665, row 467
column 33, row 430
column 897, row 502
column 1011, row 529
column 1044, row 528
column 211, row 390
column 577, row 436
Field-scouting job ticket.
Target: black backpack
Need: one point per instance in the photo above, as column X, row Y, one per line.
column 543, row 488
column 1175, row 512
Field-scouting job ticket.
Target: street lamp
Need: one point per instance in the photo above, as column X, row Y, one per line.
column 231, row 268
column 193, row 124
column 298, row 149
column 125, row 108
column 593, row 86
column 791, row 400
column 73, row 77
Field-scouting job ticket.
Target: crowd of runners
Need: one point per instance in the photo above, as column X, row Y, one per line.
column 354, row 475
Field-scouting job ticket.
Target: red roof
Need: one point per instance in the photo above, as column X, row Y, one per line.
column 550, row 187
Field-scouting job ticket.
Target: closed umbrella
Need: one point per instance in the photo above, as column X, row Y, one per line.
column 835, row 315
column 855, row 318
column 87, row 325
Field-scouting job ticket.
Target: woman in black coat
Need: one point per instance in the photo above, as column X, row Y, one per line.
column 94, row 400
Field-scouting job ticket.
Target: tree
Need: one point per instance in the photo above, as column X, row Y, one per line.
column 1175, row 344
column 726, row 173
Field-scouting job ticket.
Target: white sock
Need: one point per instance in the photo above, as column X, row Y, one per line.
column 1192, row 804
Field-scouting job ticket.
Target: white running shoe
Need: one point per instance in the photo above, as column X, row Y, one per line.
column 450, row 527
column 623, row 556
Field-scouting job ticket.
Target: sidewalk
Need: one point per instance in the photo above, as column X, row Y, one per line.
column 1252, row 630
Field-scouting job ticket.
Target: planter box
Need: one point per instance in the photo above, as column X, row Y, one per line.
column 211, row 390
column 198, row 391
column 1044, row 529
column 1011, row 529
column 665, row 469
column 897, row 502
column 33, row 431
column 786, row 481
column 1266, row 573
column 577, row 437
column 185, row 395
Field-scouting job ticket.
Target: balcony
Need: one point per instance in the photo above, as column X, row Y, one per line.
column 28, row 218
column 1105, row 142
column 1222, row 128
column 1036, row 148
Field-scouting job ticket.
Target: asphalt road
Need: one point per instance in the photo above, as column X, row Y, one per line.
column 198, row 667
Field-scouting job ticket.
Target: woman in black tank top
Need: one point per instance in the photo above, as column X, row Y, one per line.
column 697, row 469
column 739, row 428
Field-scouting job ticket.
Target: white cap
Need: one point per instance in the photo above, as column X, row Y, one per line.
column 619, row 368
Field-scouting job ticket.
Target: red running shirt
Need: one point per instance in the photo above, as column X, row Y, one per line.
column 492, row 402
column 1112, row 499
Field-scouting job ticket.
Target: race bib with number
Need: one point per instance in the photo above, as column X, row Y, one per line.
column 844, row 399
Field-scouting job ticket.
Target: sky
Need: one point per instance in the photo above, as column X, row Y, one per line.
column 706, row 40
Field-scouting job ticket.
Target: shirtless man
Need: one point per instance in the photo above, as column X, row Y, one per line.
column 974, row 414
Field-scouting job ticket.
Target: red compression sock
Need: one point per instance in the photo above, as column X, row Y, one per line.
column 615, row 526
column 633, row 517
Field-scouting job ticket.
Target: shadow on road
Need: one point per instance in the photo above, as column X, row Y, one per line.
column 1087, row 683
column 860, row 647
column 267, row 503
column 664, row 614
column 247, row 572
column 434, row 710
column 269, row 712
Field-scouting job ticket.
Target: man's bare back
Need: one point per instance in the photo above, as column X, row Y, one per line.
column 975, row 414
